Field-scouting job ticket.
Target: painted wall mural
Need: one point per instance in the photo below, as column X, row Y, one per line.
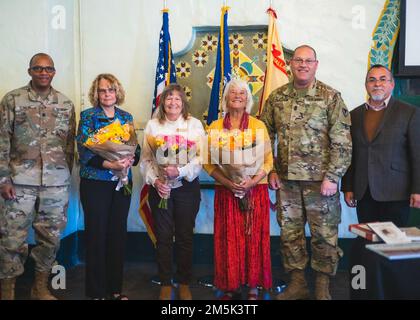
column 195, row 66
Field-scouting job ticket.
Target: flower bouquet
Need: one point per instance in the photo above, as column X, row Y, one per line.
column 240, row 154
column 171, row 150
column 115, row 142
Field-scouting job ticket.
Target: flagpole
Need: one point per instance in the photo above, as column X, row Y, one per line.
column 164, row 4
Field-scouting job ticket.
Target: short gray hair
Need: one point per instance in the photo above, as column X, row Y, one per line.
column 307, row 47
column 240, row 84
column 380, row 66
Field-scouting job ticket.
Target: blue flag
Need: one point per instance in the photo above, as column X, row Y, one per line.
column 223, row 69
column 165, row 70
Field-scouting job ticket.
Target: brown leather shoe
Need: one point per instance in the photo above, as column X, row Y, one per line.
column 184, row 292
column 165, row 293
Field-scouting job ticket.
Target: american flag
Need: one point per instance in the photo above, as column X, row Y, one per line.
column 165, row 74
column 165, row 71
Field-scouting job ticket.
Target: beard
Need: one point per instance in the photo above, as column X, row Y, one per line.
column 377, row 97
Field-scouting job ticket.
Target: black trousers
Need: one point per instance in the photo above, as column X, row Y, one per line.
column 370, row 210
column 177, row 221
column 105, row 213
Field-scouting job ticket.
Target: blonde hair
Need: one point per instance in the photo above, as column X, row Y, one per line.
column 115, row 84
column 240, row 84
column 167, row 92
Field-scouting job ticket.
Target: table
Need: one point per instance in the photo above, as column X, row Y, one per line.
column 385, row 279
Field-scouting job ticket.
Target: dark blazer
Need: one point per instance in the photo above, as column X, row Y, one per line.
column 390, row 163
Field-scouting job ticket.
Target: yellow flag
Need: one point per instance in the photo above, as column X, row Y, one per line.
column 275, row 73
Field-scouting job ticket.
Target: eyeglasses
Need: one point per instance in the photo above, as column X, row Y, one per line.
column 300, row 61
column 381, row 81
column 39, row 69
column 104, row 91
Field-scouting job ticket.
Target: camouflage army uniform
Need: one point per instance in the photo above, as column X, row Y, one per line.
column 37, row 150
column 313, row 141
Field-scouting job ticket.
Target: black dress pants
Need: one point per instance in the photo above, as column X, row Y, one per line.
column 370, row 210
column 177, row 221
column 105, row 216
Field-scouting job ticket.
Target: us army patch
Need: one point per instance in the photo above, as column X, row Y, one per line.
column 345, row 112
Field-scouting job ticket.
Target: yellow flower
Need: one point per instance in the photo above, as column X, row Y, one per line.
column 174, row 147
column 114, row 132
column 159, row 141
column 116, row 140
column 126, row 134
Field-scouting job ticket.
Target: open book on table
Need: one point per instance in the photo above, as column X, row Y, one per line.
column 365, row 231
column 389, row 232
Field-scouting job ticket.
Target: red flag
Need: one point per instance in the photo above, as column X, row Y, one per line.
column 146, row 213
column 275, row 73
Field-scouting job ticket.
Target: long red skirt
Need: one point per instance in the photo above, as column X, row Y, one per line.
column 242, row 240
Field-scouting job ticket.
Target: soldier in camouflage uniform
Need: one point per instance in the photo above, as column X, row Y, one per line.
column 37, row 129
column 312, row 126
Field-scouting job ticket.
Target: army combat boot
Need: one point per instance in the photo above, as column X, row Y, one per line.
column 8, row 289
column 322, row 283
column 297, row 288
column 40, row 288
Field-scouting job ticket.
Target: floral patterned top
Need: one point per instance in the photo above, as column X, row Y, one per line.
column 91, row 120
